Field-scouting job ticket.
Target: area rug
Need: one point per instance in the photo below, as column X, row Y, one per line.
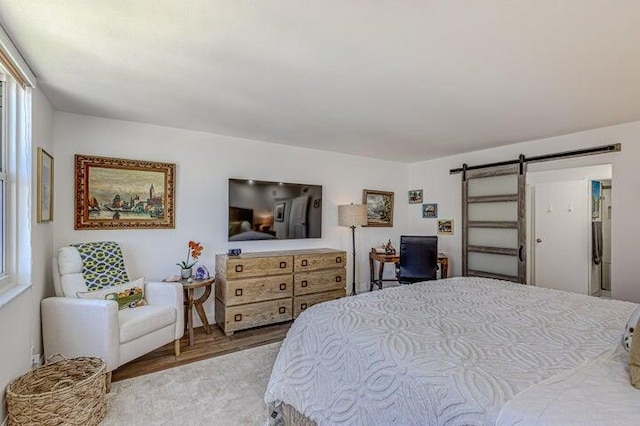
column 225, row 390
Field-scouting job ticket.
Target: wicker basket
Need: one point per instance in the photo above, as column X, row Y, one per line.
column 67, row 392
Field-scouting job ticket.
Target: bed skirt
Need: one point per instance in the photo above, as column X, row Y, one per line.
column 292, row 417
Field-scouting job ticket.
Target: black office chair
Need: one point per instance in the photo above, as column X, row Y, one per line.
column 418, row 258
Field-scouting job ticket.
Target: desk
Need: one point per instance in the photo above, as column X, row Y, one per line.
column 190, row 303
column 443, row 265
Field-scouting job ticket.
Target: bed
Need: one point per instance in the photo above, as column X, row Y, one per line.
column 455, row 351
column 241, row 231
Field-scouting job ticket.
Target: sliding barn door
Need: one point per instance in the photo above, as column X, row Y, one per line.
column 493, row 223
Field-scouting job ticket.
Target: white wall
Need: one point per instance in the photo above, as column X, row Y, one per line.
column 15, row 332
column 204, row 164
column 443, row 188
column 20, row 318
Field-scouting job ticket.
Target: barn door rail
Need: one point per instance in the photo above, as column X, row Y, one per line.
column 603, row 149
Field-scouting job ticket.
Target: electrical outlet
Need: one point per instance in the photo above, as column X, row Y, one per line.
column 36, row 360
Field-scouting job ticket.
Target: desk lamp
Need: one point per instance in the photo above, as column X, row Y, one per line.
column 352, row 215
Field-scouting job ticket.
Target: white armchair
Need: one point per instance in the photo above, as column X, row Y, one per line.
column 88, row 327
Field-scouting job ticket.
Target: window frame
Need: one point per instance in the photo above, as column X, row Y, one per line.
column 5, row 277
column 16, row 156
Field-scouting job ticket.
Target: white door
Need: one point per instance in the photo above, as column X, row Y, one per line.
column 562, row 236
column 298, row 217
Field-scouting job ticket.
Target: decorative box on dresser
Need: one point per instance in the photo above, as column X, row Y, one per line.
column 261, row 288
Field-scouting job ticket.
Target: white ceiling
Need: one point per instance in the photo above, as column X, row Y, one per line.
column 400, row 80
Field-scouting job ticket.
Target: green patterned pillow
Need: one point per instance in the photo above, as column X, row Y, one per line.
column 129, row 295
column 102, row 264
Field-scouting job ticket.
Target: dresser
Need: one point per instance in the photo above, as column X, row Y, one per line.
column 261, row 288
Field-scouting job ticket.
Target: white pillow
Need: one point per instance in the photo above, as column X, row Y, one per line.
column 72, row 284
column 134, row 294
column 69, row 260
column 630, row 328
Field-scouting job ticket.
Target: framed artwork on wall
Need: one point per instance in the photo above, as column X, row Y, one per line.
column 279, row 212
column 379, row 207
column 596, row 190
column 115, row 193
column 430, row 211
column 415, row 196
column 445, row 226
column 45, row 186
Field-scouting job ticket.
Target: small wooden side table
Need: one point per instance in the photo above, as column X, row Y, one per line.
column 382, row 258
column 190, row 303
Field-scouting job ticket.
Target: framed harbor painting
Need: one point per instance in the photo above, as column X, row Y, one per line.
column 115, row 193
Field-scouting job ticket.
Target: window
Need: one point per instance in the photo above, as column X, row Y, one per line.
column 15, row 183
column 16, row 83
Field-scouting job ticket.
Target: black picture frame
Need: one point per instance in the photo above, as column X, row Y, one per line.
column 279, row 212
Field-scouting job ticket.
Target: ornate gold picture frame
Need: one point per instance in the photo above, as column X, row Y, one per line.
column 115, row 193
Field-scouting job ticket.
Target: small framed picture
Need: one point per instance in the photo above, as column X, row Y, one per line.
column 445, row 226
column 415, row 196
column 379, row 207
column 430, row 211
column 45, row 186
column 279, row 212
column 596, row 189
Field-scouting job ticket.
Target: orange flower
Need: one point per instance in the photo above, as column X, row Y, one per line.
column 195, row 251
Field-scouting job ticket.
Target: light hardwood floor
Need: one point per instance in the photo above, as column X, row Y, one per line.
column 206, row 346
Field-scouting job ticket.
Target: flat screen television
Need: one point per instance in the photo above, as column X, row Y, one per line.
column 260, row 210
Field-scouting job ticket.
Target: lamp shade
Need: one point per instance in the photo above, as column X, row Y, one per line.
column 352, row 215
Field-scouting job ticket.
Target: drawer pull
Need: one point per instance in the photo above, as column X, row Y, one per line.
column 338, row 278
column 238, row 292
column 304, row 283
column 304, row 262
column 282, row 309
column 283, row 286
column 303, row 306
column 283, row 265
column 238, row 317
column 238, row 268
column 339, row 259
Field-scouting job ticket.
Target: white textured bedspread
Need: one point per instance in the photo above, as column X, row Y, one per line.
column 446, row 352
column 596, row 393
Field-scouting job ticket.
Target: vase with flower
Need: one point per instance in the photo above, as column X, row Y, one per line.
column 194, row 251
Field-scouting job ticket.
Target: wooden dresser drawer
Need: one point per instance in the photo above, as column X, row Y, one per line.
column 258, row 266
column 249, row 290
column 301, row 303
column 319, row 281
column 233, row 318
column 315, row 261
